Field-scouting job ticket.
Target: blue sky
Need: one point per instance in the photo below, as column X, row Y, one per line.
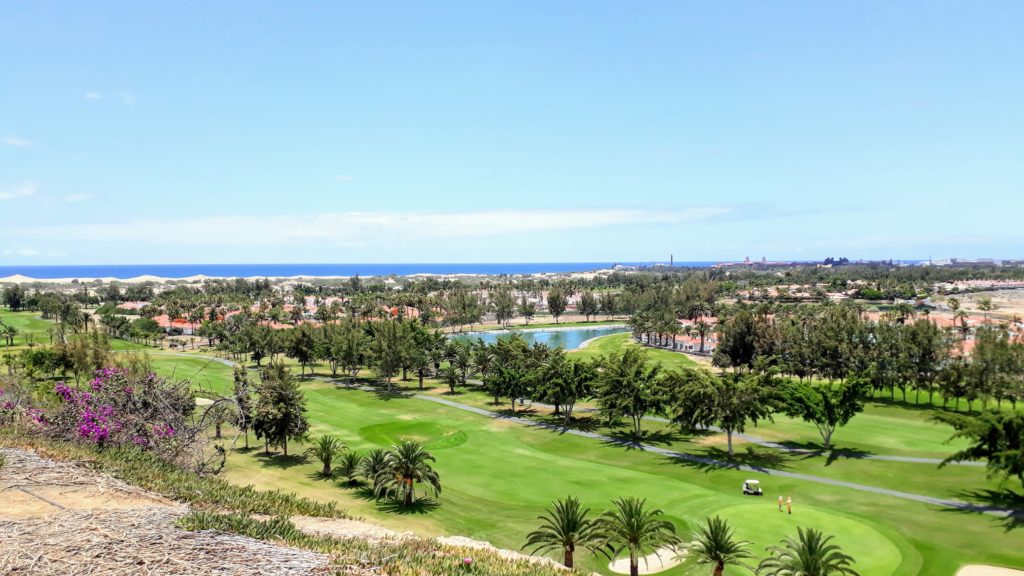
column 188, row 132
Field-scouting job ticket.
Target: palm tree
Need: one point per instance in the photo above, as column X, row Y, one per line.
column 713, row 543
column 702, row 328
column 809, row 555
column 450, row 376
column 325, row 450
column 566, row 527
column 634, row 527
column 372, row 465
column 406, row 465
column 349, row 466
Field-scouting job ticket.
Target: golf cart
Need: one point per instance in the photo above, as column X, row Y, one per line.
column 752, row 488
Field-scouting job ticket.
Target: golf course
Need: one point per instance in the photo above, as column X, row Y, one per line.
column 499, row 473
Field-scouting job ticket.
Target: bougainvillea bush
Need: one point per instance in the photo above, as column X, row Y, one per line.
column 117, row 409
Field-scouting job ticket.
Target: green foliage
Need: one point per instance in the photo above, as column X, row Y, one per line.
column 280, row 412
column 406, row 557
column 326, row 449
column 404, row 466
column 996, row 437
column 349, row 466
column 811, row 554
column 629, row 387
column 557, row 302
column 714, row 543
column 149, row 472
column 635, row 528
column 827, row 406
column 565, row 527
column 729, row 401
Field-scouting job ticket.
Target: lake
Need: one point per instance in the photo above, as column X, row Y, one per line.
column 570, row 338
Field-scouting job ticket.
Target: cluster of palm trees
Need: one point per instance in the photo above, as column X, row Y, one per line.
column 8, row 333
column 392, row 474
column 635, row 528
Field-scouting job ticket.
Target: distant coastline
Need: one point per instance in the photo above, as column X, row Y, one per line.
column 171, row 272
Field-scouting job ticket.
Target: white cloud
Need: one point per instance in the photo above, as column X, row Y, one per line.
column 19, row 142
column 78, row 197
column 22, row 191
column 360, row 228
column 93, row 96
column 21, row 252
column 127, row 98
column 343, row 178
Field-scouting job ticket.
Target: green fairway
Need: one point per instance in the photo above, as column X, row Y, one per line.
column 618, row 342
column 30, row 326
column 205, row 374
column 499, row 475
column 907, row 432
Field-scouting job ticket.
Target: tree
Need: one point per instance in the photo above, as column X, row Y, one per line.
column 386, row 348
column 985, row 305
column 628, row 386
column 635, row 528
column 406, row 465
column 351, row 348
column 302, row 346
column 826, row 406
column 589, row 305
column 349, row 465
column 729, row 401
column 995, row 436
column 737, row 341
column 326, row 449
column 557, row 302
column 372, row 465
column 701, row 328
column 504, row 305
column 14, row 297
column 527, row 309
column 714, row 543
column 450, row 376
column 280, row 413
column 564, row 381
column 566, row 527
column 242, row 394
column 810, row 555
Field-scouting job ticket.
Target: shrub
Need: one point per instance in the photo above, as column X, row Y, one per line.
column 398, row 557
column 146, row 470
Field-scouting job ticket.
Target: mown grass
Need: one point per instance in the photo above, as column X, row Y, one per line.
column 504, row 474
column 605, row 345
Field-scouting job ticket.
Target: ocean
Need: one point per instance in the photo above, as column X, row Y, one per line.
column 125, row 271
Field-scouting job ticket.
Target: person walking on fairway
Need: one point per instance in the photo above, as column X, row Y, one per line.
column 780, row 503
column 789, row 504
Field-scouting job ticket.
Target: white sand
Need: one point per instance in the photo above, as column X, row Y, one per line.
column 665, row 558
column 983, row 570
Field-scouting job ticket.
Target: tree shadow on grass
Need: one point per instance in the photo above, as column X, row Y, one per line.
column 421, row 506
column 585, row 424
column 1004, row 499
column 749, row 456
column 714, row 459
column 626, row 438
column 385, row 394
column 811, row 450
column 316, row 476
column 274, row 460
